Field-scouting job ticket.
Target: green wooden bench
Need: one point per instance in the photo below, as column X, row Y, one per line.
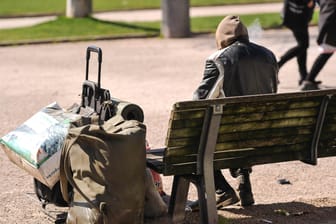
column 242, row 131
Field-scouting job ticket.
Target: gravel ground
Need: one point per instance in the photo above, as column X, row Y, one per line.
column 154, row 73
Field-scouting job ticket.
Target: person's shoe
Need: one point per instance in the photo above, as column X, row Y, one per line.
column 309, row 85
column 222, row 200
column 226, row 198
column 315, row 82
column 192, row 206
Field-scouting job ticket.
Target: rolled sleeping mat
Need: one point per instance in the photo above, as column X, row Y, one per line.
column 127, row 110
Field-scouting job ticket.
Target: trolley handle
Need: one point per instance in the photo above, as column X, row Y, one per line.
column 100, row 56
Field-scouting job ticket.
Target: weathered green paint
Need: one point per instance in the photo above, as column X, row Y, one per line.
column 187, row 123
column 185, row 132
column 270, row 115
column 266, row 133
column 268, row 107
column 260, row 125
column 188, row 114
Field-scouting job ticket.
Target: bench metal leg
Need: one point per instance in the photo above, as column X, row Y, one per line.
column 207, row 200
column 317, row 132
column 206, row 189
column 178, row 200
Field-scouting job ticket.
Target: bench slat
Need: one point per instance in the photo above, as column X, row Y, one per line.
column 258, row 141
column 236, row 162
column 253, row 160
column 188, row 114
column 261, row 134
column 265, row 154
column 234, row 109
column 257, row 134
column 270, row 124
column 271, row 115
column 194, row 131
column 306, row 95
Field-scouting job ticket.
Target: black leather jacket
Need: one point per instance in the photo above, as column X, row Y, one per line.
column 242, row 68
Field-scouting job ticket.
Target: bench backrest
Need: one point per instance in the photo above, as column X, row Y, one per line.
column 250, row 130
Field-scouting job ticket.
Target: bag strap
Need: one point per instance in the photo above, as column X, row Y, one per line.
column 66, row 174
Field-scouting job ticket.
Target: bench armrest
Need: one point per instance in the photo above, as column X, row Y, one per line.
column 154, row 159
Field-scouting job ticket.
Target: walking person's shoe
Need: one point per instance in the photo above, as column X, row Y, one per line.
column 223, row 199
column 244, row 189
column 309, row 85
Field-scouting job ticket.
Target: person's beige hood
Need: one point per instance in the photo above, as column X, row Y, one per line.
column 229, row 30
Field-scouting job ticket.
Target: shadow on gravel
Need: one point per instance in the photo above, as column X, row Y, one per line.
column 277, row 213
column 314, row 211
column 286, row 213
column 128, row 25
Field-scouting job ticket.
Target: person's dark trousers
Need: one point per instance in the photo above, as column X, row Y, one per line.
column 299, row 51
column 221, row 185
column 244, row 185
column 225, row 194
column 319, row 63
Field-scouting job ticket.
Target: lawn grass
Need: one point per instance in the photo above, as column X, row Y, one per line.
column 67, row 29
column 103, row 5
column 31, row 7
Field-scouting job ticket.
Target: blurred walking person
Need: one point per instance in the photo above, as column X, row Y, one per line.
column 326, row 40
column 297, row 15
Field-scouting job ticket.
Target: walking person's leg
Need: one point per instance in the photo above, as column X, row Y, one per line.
column 299, row 51
column 302, row 38
column 290, row 53
column 310, row 83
